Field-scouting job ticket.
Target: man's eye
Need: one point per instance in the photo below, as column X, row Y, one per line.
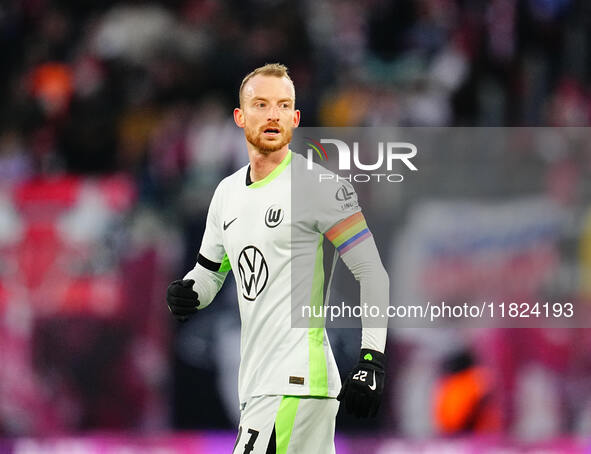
column 260, row 104
column 285, row 105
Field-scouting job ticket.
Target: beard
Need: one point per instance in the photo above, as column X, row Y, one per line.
column 255, row 138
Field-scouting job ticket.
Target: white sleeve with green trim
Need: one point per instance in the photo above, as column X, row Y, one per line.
column 212, row 265
column 212, row 247
column 207, row 283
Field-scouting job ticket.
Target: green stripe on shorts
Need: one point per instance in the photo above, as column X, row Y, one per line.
column 284, row 422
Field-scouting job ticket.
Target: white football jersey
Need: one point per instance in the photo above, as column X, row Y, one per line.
column 276, row 258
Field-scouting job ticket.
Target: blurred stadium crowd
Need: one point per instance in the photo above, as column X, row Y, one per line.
column 115, row 127
column 92, row 87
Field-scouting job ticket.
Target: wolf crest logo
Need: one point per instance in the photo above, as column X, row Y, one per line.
column 273, row 216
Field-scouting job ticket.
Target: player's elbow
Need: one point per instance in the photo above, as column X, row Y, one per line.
column 383, row 276
column 380, row 277
column 375, row 274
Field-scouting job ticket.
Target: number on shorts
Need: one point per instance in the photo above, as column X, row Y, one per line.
column 253, row 437
column 250, row 445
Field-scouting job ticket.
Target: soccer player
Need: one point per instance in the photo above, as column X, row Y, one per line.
column 289, row 384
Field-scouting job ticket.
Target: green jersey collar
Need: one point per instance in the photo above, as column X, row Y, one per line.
column 274, row 173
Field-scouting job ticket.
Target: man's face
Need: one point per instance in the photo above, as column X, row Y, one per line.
column 268, row 113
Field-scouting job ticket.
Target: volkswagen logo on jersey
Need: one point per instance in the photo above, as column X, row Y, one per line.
column 273, row 216
column 254, row 272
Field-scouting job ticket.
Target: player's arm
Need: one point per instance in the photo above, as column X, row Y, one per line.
column 338, row 216
column 362, row 389
column 357, row 248
column 196, row 290
column 200, row 285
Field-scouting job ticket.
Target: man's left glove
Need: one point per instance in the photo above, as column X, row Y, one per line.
column 362, row 390
column 182, row 300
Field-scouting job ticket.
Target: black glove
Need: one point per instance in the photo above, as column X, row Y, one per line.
column 363, row 387
column 181, row 299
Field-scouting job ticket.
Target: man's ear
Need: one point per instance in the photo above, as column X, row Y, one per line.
column 239, row 117
column 296, row 118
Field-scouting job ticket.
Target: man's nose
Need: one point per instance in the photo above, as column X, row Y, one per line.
column 273, row 113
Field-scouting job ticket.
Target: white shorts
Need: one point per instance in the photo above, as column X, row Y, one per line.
column 287, row 425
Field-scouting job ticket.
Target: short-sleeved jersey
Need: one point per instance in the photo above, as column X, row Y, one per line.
column 277, row 256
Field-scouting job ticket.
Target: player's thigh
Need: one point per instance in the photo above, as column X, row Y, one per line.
column 314, row 427
column 257, row 422
column 287, row 425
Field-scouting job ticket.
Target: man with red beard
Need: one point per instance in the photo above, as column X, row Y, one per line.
column 288, row 382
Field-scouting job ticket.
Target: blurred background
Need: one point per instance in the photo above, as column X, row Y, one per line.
column 115, row 127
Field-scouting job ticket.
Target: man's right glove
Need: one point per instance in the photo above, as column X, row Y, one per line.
column 182, row 300
column 362, row 390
